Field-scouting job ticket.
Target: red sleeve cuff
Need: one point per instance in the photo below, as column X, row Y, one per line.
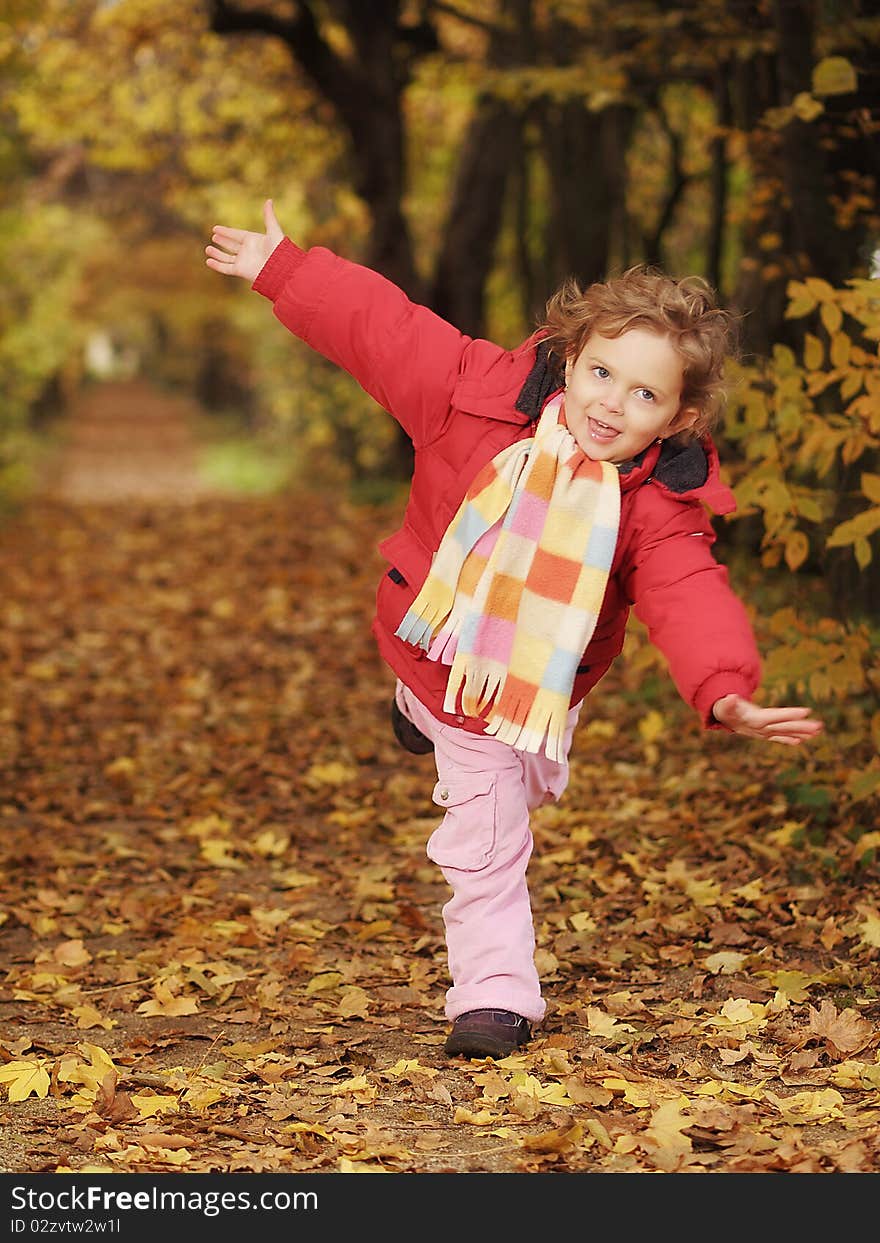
column 715, row 688
column 278, row 268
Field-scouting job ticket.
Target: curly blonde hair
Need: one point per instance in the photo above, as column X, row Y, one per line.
column 684, row 310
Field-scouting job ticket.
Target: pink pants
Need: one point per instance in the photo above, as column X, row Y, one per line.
column 483, row 846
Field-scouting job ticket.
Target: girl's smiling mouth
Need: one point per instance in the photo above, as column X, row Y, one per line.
column 603, row 432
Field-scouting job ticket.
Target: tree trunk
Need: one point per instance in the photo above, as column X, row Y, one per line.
column 814, row 231
column 585, row 156
column 718, row 178
column 581, row 193
column 467, row 251
column 491, row 154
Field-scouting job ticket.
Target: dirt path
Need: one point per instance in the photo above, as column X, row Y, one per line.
column 127, row 441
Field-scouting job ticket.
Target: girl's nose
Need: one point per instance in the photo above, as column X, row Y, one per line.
column 612, row 401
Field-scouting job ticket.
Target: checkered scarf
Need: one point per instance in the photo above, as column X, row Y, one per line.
column 515, row 588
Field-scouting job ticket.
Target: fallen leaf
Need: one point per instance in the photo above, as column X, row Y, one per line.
column 560, row 1139
column 151, row 1103
column 164, row 1139
column 72, row 954
column 25, row 1078
column 323, row 982
column 354, row 1003
column 601, row 1024
column 843, row 1033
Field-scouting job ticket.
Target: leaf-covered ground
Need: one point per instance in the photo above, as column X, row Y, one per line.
column 221, row 944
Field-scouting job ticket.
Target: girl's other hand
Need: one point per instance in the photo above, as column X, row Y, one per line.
column 791, row 726
column 237, row 252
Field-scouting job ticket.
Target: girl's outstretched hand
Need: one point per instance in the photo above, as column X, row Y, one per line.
column 237, row 252
column 791, row 726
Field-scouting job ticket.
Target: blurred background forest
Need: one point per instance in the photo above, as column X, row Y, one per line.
column 477, row 152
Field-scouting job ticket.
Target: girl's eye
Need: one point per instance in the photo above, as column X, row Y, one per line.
column 601, row 372
column 646, row 394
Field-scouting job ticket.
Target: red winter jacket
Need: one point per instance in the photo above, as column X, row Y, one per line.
column 462, row 400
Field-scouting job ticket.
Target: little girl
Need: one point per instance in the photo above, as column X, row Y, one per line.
column 555, row 486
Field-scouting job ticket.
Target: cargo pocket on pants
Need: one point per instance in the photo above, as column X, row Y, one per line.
column 466, row 838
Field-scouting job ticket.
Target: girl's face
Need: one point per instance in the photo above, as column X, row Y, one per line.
column 624, row 392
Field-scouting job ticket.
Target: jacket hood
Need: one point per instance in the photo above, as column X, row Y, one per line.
column 685, row 468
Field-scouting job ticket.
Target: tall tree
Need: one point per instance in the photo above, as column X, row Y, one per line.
column 365, row 87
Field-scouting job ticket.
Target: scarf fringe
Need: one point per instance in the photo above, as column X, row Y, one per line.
column 479, row 680
column 444, row 644
column 542, row 729
column 419, row 625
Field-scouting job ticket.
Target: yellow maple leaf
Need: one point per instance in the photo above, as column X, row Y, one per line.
column 869, row 928
column 560, row 1139
column 323, row 981
column 375, row 928
column 481, row 1118
column 347, row 1166
column 728, row 1089
column 292, row 879
column 856, row 1075
column 703, row 892
column 358, row 1086
column 215, row 851
column 271, row 842
column 652, row 726
column 725, row 962
column 598, row 1133
column 90, row 1067
column 307, row 1128
column 334, row 773
column 738, row 1012
column 176, row 1007
column 554, row 1094
column 792, row 984
column 354, row 1003
column 529, row 1085
column 805, row 1108
column 25, row 1078
column 834, row 75
column 635, row 1094
column 148, row 1104
column 406, row 1068
column 806, row 107
column 601, row 1024
column 664, row 1133
column 269, row 918
column 88, row 1015
column 207, row 825
column 201, row 1098
column 165, row 1002
column 177, row 1156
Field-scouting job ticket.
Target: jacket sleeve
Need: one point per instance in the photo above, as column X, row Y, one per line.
column 407, row 358
column 683, row 595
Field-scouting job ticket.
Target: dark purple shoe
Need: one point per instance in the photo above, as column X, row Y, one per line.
column 487, row 1033
column 410, row 738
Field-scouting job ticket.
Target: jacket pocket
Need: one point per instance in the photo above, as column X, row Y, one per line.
column 466, row 838
column 409, row 556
